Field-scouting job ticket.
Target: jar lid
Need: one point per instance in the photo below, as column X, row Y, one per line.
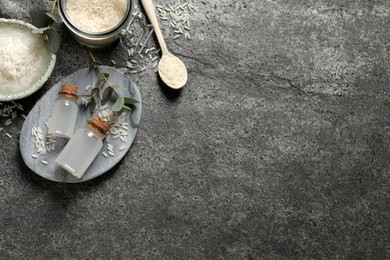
column 69, row 90
column 99, row 124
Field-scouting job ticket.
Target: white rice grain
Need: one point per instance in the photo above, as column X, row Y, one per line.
column 44, row 162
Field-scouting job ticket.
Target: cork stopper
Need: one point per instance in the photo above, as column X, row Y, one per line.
column 99, row 124
column 69, row 90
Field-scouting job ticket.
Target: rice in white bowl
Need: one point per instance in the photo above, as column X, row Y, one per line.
column 24, row 59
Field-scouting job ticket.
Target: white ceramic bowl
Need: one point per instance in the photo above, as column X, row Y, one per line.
column 46, row 74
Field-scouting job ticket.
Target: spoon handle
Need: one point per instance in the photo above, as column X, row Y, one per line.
column 150, row 11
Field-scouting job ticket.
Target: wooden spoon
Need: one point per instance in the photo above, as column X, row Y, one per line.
column 170, row 68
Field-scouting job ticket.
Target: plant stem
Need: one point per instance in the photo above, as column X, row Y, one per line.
column 99, row 69
column 54, row 6
column 52, row 11
column 102, row 75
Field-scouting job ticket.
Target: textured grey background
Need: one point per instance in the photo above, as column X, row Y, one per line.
column 278, row 147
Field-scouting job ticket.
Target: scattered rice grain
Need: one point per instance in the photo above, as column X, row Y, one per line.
column 44, row 162
column 129, row 65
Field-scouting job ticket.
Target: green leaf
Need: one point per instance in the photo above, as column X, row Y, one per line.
column 130, row 101
column 92, row 105
column 53, row 42
column 117, row 88
column 118, row 105
column 40, row 19
column 107, row 95
column 91, row 65
column 41, row 30
column 54, row 17
column 95, row 91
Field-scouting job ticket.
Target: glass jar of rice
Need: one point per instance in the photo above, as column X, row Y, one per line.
column 95, row 23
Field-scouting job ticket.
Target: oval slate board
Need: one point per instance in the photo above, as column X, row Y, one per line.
column 41, row 112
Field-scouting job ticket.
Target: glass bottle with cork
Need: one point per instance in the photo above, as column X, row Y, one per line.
column 64, row 114
column 83, row 147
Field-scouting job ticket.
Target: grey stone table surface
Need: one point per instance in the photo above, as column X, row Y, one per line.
column 277, row 148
